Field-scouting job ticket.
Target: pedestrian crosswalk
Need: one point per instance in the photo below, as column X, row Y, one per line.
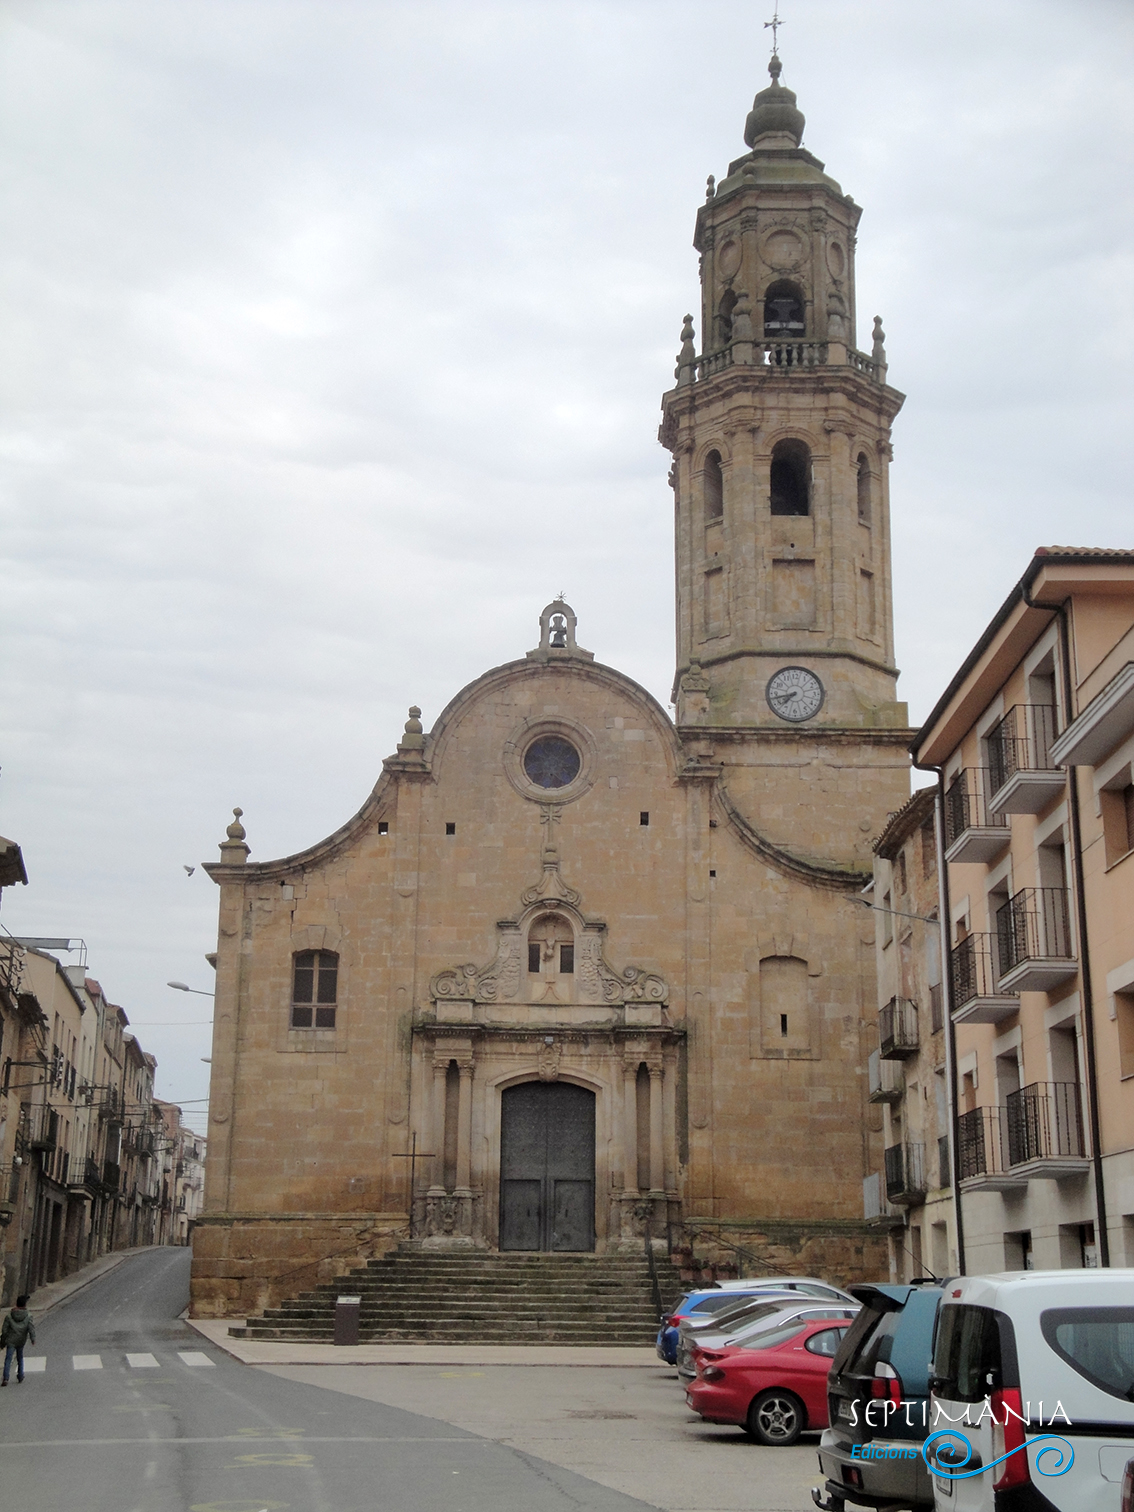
column 195, row 1359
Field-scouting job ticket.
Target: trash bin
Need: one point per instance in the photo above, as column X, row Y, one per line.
column 347, row 1310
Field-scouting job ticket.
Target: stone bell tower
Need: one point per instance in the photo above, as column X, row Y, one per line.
column 780, row 434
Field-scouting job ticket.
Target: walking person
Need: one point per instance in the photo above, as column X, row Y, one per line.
column 16, row 1330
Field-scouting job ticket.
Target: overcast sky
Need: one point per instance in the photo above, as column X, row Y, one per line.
column 333, row 341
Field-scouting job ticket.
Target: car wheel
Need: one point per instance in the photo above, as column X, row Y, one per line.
column 775, row 1418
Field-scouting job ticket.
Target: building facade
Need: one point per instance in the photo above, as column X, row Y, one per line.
column 911, row 1191
column 577, row 973
column 1033, row 742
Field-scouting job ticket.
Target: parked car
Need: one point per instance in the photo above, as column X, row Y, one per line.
column 775, row 1386
column 704, row 1303
column 1035, row 1358
column 812, row 1286
column 878, row 1394
column 794, row 1308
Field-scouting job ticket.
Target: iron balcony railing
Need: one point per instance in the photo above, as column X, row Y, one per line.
column 1044, row 1120
column 1034, row 925
column 976, row 969
column 897, row 1029
column 980, row 1146
column 884, row 1079
column 1020, row 742
column 966, row 805
column 39, row 1126
column 905, row 1172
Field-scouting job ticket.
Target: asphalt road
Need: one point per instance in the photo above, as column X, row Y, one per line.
column 132, row 1411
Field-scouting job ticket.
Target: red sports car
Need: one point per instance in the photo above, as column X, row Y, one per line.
column 774, row 1387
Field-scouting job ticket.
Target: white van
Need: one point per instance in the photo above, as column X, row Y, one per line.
column 1033, row 1375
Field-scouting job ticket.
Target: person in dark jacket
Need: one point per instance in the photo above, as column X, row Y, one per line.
column 16, row 1330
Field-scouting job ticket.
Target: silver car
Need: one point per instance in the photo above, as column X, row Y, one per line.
column 777, row 1312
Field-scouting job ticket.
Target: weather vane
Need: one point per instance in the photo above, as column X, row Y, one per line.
column 775, row 23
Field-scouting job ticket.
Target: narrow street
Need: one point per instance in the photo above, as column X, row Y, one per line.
column 127, row 1409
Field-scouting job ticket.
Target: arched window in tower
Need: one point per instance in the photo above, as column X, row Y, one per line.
column 724, row 318
column 791, row 478
column 783, row 310
column 713, row 487
column 864, row 512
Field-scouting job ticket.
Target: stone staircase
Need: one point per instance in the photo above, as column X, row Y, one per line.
column 478, row 1298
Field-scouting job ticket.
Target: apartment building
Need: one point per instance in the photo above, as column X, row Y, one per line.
column 911, row 1192
column 1033, row 746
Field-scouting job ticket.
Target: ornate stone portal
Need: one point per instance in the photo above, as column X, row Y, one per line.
column 549, row 1005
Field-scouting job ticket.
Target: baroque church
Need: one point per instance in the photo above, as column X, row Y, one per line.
column 578, row 973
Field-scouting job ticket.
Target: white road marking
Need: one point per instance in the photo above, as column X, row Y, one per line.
column 142, row 1362
column 87, row 1362
column 35, row 1364
column 196, row 1358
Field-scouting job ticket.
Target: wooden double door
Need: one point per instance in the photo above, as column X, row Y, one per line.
column 547, row 1167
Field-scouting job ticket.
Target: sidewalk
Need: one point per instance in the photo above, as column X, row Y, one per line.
column 276, row 1352
column 50, row 1296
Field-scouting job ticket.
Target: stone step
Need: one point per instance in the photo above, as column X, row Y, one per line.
column 471, row 1297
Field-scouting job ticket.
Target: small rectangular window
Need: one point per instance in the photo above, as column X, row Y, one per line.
column 644, row 818
column 314, row 992
column 783, row 1025
column 567, row 959
column 533, row 957
column 383, row 827
column 450, row 828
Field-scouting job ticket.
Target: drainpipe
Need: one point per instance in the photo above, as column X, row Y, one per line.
column 1103, row 1240
column 943, row 925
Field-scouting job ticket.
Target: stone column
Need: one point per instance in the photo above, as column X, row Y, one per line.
column 630, row 1127
column 657, row 1128
column 464, row 1127
column 463, row 1191
column 440, row 1073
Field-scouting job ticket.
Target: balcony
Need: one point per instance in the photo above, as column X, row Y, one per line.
column 1022, row 775
column 972, row 833
column 885, row 1080
column 982, row 1149
column 1033, row 940
column 905, row 1173
column 976, row 995
column 40, row 1127
column 1044, row 1124
column 897, row 1030
column 1036, row 1134
column 111, row 1175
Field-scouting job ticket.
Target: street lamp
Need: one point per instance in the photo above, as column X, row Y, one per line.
column 184, row 987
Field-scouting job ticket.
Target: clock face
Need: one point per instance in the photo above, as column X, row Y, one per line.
column 794, row 694
column 551, row 762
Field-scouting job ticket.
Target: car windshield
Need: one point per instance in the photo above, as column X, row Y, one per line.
column 749, row 1311
column 1098, row 1342
column 717, row 1303
column 771, row 1338
column 796, row 1317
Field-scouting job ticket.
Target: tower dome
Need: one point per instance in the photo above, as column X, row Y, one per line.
column 774, row 111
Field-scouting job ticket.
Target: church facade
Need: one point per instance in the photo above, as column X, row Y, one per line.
column 577, row 972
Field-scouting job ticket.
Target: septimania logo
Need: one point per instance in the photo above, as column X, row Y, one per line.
column 947, row 1451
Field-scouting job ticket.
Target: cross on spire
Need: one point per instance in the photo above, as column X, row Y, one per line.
column 775, row 23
